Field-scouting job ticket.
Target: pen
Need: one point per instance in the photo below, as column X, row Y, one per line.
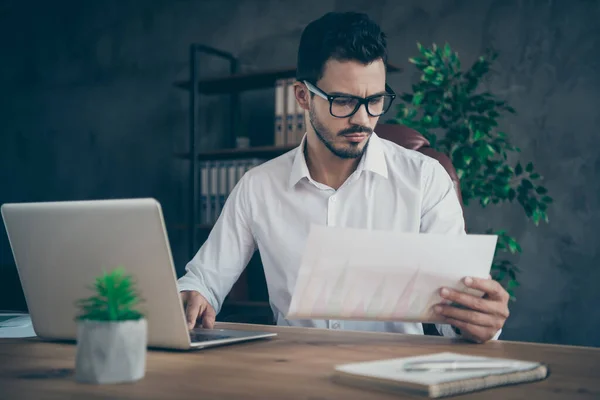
column 457, row 365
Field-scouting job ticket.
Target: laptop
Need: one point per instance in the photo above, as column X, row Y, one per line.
column 61, row 247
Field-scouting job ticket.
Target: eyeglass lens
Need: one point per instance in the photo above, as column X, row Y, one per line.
column 345, row 106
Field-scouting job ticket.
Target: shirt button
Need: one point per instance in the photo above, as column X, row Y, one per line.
column 335, row 325
column 333, row 199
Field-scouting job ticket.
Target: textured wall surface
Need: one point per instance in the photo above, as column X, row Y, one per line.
column 88, row 110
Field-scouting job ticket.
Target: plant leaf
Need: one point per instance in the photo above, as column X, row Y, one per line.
column 429, row 70
column 529, row 167
column 417, row 98
column 518, row 169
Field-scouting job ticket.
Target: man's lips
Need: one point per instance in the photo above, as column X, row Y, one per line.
column 355, row 137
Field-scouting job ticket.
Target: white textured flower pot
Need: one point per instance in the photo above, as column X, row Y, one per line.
column 111, row 352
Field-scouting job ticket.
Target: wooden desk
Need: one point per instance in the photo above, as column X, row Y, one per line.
column 295, row 365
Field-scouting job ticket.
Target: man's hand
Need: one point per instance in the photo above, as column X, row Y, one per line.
column 484, row 316
column 198, row 311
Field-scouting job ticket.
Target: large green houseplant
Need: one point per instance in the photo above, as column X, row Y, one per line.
column 452, row 110
column 112, row 332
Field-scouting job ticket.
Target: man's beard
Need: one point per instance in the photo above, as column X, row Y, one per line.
column 327, row 138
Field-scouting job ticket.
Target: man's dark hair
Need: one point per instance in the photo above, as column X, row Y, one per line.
column 347, row 36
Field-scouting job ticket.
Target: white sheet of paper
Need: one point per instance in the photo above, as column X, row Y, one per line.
column 359, row 274
column 16, row 325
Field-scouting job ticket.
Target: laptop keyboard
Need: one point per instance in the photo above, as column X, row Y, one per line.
column 204, row 337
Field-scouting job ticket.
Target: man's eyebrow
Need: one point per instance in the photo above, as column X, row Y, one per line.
column 378, row 93
column 340, row 94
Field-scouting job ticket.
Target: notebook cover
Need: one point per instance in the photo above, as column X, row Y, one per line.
column 389, row 375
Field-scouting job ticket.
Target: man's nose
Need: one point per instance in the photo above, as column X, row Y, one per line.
column 360, row 117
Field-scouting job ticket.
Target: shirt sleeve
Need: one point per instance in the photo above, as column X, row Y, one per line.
column 442, row 213
column 224, row 255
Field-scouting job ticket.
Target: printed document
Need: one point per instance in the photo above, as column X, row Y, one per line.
column 359, row 274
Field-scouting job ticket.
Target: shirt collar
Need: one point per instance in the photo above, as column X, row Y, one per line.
column 373, row 160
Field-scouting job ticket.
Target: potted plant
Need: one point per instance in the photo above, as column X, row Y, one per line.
column 111, row 332
column 460, row 118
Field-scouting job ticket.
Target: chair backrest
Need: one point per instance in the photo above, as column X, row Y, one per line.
column 413, row 140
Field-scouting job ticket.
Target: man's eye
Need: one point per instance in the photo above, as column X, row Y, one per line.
column 376, row 100
column 343, row 101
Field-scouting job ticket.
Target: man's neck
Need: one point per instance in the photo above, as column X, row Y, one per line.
column 327, row 168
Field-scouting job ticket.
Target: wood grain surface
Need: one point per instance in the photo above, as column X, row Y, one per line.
column 297, row 364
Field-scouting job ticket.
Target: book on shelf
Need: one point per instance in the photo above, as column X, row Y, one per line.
column 439, row 374
column 217, row 180
column 289, row 116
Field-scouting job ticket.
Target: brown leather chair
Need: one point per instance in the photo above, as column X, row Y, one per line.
column 413, row 140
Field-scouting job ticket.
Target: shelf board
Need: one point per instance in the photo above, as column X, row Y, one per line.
column 239, row 82
column 247, row 81
column 232, row 154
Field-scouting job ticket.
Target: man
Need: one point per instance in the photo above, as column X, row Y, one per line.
column 342, row 174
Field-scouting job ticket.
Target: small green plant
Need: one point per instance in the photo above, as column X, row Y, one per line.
column 115, row 298
column 460, row 119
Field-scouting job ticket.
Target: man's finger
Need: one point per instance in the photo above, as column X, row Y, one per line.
column 192, row 311
column 467, row 316
column 474, row 333
column 208, row 319
column 487, row 306
column 183, row 298
column 492, row 288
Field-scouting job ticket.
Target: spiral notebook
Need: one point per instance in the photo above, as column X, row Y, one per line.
column 439, row 375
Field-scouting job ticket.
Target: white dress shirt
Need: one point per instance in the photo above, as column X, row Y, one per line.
column 273, row 205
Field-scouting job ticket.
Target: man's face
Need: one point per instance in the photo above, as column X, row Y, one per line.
column 346, row 137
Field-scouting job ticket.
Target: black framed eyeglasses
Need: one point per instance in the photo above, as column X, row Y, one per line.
column 345, row 105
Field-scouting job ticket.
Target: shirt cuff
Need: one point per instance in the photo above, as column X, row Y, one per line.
column 188, row 283
column 448, row 331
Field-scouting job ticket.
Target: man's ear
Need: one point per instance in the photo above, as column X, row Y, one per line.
column 302, row 95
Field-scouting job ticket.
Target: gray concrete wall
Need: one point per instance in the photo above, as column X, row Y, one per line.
column 88, row 110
